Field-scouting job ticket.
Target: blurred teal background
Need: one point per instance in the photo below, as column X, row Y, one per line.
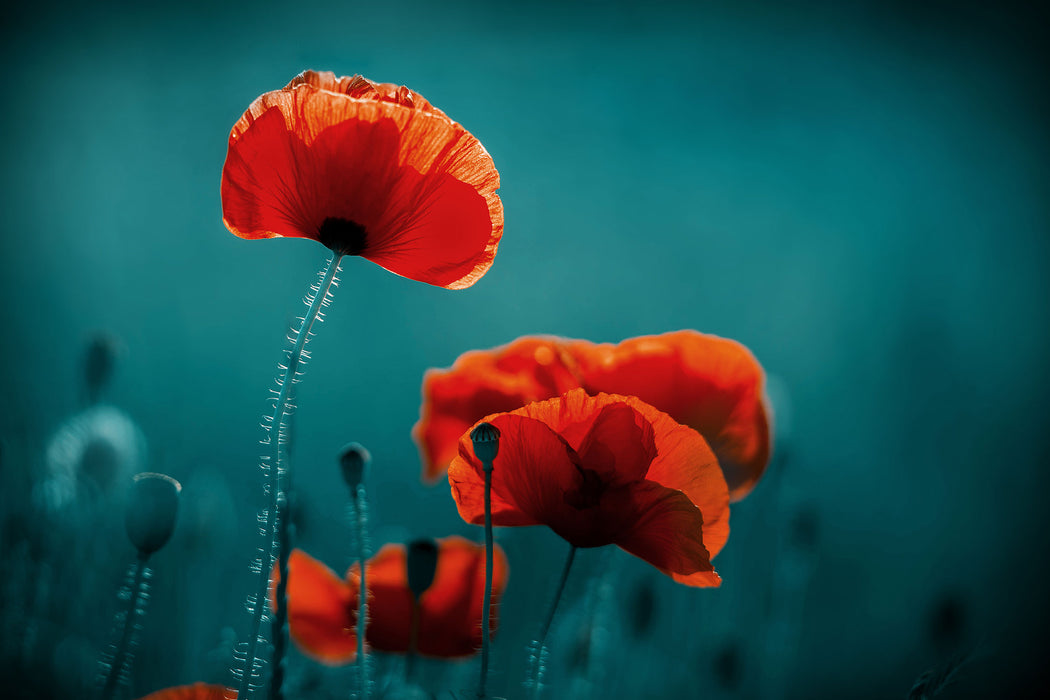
column 857, row 192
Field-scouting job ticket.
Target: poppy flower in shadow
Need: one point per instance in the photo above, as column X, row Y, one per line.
column 197, row 691
column 602, row 470
column 369, row 169
column 712, row 384
column 322, row 608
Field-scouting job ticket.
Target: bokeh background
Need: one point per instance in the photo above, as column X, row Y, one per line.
column 857, row 192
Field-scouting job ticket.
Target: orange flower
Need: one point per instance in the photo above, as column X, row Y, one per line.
column 369, row 169
column 322, row 608
column 604, row 470
column 197, row 691
column 711, row 384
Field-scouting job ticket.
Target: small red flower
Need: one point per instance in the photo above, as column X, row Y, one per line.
column 711, row 384
column 369, row 169
column 322, row 608
column 602, row 470
column 197, row 691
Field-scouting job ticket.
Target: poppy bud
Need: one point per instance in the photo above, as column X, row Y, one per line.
column 421, row 563
column 486, row 443
column 353, row 461
column 99, row 361
column 152, row 506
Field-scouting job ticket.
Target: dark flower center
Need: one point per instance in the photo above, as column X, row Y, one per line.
column 589, row 492
column 342, row 236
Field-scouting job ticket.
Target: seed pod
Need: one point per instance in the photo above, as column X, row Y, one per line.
column 153, row 504
column 421, row 563
column 486, row 443
column 354, row 461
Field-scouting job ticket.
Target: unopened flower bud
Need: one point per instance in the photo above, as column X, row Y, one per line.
column 422, row 563
column 153, row 504
column 486, row 443
column 354, row 461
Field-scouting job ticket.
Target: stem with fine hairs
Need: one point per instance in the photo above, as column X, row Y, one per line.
column 541, row 640
column 276, row 438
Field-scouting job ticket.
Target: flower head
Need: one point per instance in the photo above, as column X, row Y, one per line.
column 602, row 470
column 197, row 691
column 322, row 608
column 369, row 169
column 711, row 384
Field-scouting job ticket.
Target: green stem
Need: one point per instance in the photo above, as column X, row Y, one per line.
column 283, row 407
column 362, row 602
column 541, row 641
column 117, row 672
column 486, row 607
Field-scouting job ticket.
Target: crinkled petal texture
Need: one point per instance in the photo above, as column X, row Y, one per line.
column 601, row 470
column 483, row 382
column 376, row 158
column 197, row 691
column 450, row 611
column 711, row 384
column 322, row 608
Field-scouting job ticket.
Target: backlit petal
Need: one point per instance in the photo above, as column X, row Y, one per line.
column 420, row 185
column 711, row 384
column 667, row 532
column 197, row 691
column 321, row 610
column 481, row 383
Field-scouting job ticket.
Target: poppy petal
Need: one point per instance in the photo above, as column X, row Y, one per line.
column 686, row 463
column 416, row 188
column 196, row 691
column 450, row 610
column 711, row 384
column 321, row 610
column 667, row 532
column 483, row 382
column 532, row 471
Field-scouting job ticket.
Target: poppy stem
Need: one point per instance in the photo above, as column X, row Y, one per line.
column 290, row 371
column 362, row 598
column 120, row 667
column 486, row 624
column 539, row 648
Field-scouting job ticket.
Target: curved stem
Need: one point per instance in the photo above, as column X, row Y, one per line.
column 362, row 600
column 486, row 625
column 283, row 406
column 542, row 639
column 116, row 669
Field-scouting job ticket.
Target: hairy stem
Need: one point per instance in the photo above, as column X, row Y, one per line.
column 541, row 640
column 276, row 436
column 362, row 597
column 117, row 671
column 487, row 605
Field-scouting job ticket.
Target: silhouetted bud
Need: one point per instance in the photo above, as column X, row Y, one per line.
column 727, row 666
column 947, row 620
column 99, row 360
column 642, row 606
column 486, row 443
column 422, row 563
column 804, row 529
column 354, row 461
column 153, row 504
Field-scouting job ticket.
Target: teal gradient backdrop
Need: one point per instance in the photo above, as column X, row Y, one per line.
column 857, row 194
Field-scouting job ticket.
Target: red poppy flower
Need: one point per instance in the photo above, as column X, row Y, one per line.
column 711, row 384
column 322, row 608
column 369, row 169
column 483, row 382
column 604, row 470
column 197, row 691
